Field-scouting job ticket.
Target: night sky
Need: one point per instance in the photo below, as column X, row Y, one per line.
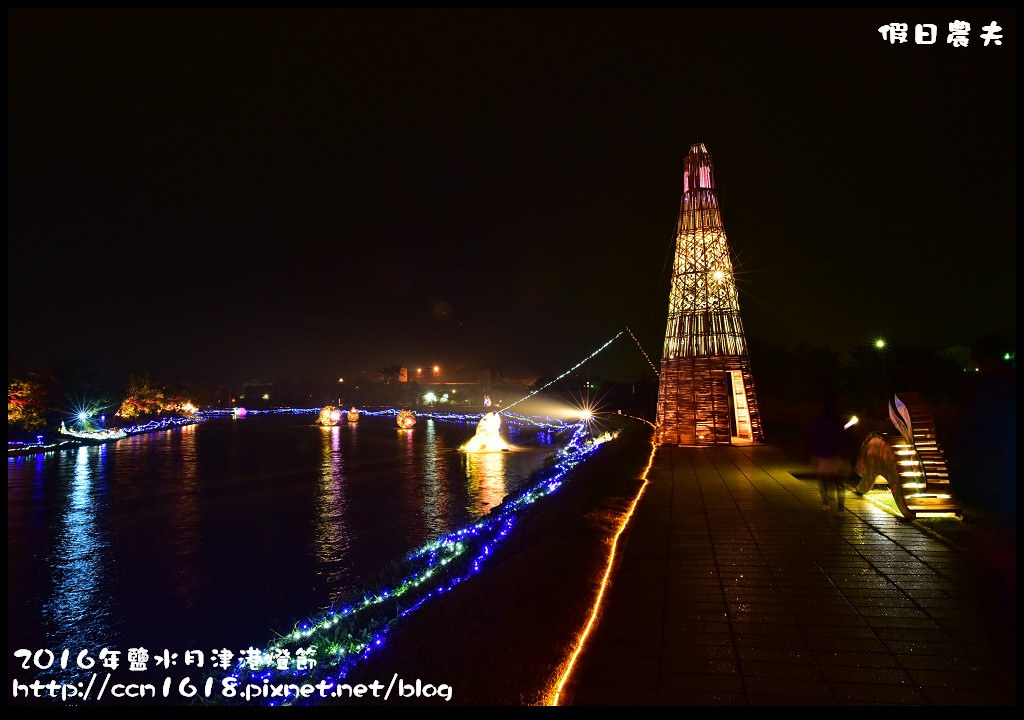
column 242, row 195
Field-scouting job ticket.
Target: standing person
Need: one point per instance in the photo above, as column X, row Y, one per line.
column 826, row 454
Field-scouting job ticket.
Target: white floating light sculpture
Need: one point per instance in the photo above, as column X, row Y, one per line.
column 487, row 438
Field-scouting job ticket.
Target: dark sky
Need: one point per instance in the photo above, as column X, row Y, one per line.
column 235, row 195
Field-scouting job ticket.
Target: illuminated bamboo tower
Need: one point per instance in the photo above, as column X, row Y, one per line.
column 706, row 394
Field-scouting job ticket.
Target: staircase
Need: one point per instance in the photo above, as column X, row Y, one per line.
column 922, row 487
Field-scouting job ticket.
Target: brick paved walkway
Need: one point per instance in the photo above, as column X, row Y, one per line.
column 734, row 588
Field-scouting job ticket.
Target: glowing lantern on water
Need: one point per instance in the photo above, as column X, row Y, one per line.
column 487, row 438
column 239, row 412
column 405, row 419
column 329, row 416
column 353, row 415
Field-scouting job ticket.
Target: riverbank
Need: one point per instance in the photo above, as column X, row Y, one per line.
column 503, row 638
column 49, row 442
column 17, row 448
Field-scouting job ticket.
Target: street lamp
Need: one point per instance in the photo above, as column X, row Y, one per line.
column 880, row 345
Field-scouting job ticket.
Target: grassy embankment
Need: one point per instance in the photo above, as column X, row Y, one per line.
column 503, row 638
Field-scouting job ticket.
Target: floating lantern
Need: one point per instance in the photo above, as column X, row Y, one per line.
column 353, row 415
column 329, row 416
column 487, row 438
column 239, row 412
column 405, row 419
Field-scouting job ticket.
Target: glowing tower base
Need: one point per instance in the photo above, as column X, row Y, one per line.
column 706, row 394
column 707, row 401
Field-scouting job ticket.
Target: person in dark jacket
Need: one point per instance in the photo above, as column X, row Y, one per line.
column 827, row 454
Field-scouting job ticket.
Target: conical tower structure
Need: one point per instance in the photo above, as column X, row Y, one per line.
column 706, row 394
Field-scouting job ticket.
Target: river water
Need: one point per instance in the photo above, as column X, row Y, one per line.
column 221, row 534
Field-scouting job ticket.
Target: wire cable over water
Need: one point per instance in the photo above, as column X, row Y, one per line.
column 574, row 367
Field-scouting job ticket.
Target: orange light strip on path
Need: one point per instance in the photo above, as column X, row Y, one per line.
column 553, row 700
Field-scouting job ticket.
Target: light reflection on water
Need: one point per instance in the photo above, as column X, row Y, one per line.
column 436, row 496
column 221, row 533
column 77, row 609
column 187, row 537
column 332, row 540
column 485, row 478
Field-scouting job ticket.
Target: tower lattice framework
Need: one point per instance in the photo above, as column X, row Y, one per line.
column 706, row 394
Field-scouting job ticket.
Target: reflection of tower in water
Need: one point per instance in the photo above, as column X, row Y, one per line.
column 332, row 538
column 485, row 479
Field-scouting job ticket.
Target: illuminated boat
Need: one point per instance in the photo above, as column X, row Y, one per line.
column 93, row 435
column 329, row 416
column 353, row 415
column 405, row 419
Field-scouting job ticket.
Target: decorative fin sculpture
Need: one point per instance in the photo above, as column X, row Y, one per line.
column 912, row 465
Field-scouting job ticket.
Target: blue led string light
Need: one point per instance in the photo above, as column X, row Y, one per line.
column 42, row 444
column 428, row 572
column 272, row 411
column 552, row 382
column 163, row 424
column 168, row 423
column 510, row 418
column 24, row 447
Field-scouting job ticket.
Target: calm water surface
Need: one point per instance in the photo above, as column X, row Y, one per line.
column 218, row 534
